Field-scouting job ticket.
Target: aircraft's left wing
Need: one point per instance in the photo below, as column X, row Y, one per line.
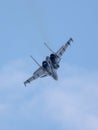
column 38, row 73
column 60, row 52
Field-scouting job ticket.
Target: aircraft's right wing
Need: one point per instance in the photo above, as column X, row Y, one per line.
column 60, row 52
column 40, row 72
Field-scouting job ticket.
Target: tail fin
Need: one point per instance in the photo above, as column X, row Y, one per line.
column 48, row 47
column 35, row 61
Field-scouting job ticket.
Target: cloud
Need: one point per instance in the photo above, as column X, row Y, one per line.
column 70, row 103
column 12, row 74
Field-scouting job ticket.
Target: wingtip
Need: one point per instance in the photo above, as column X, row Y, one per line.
column 26, row 82
column 71, row 39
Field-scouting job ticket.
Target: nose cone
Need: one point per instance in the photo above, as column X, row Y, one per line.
column 55, row 76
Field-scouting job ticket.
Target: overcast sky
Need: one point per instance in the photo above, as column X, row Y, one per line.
column 71, row 103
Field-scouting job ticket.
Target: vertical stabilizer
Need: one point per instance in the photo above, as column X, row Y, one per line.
column 35, row 61
column 48, row 47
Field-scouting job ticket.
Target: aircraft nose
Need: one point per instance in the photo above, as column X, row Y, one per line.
column 55, row 77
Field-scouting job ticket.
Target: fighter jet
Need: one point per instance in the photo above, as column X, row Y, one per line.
column 50, row 65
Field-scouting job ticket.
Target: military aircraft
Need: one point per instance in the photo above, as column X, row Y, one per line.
column 50, row 64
